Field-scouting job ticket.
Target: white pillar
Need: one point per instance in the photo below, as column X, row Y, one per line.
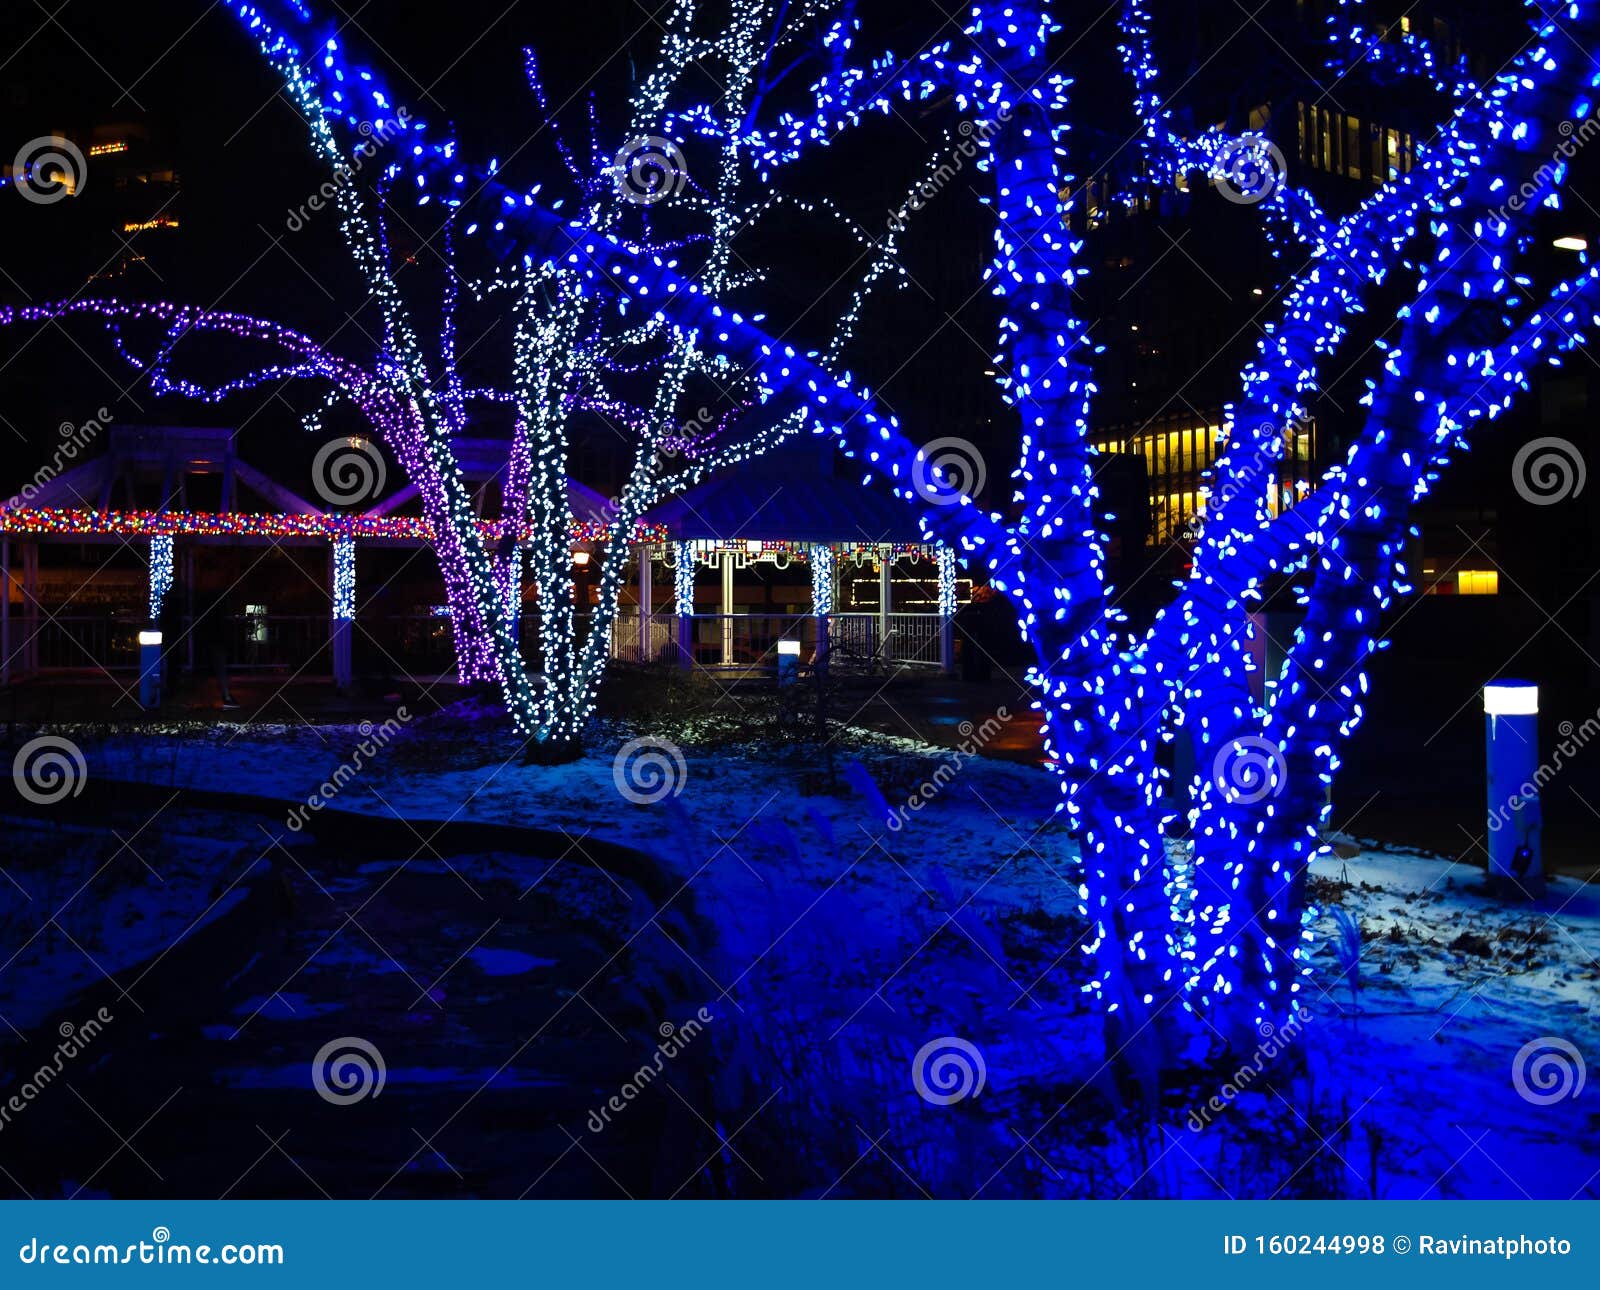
column 342, row 561
column 646, row 600
column 161, row 563
column 683, row 601
column 946, row 557
column 885, row 596
column 30, row 596
column 188, row 608
column 727, row 607
column 822, row 598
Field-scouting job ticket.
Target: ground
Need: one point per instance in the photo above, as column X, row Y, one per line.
column 720, row 992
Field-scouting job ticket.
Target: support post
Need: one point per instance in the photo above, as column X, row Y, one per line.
column 1511, row 720
column 5, row 611
column 30, row 596
column 822, row 600
column 885, row 598
column 188, row 609
column 150, row 670
column 946, row 557
column 342, row 561
column 727, row 607
column 160, row 575
column 646, row 601
column 683, row 602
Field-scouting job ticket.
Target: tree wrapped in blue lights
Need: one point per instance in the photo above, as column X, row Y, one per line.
column 1215, row 933
column 1202, row 939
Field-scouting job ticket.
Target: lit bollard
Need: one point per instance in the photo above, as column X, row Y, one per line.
column 149, row 669
column 788, row 663
column 1511, row 727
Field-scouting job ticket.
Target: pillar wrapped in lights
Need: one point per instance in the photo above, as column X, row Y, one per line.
column 1511, row 739
column 683, row 599
column 344, row 610
column 823, row 576
column 160, row 573
column 946, row 557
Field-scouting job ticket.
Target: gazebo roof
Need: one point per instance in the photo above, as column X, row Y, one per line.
column 788, row 495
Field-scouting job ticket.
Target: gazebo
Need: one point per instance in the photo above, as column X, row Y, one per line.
column 872, row 590
column 171, row 493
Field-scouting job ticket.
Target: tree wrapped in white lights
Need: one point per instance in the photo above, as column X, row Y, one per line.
column 587, row 342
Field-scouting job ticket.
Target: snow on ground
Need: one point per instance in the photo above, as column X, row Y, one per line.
column 844, row 945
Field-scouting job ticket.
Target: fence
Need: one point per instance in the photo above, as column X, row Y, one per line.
column 423, row 645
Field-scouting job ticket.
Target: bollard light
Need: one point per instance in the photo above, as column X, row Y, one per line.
column 149, row 669
column 788, row 662
column 1515, row 819
column 1511, row 699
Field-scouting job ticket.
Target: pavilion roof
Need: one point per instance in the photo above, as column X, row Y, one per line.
column 788, row 495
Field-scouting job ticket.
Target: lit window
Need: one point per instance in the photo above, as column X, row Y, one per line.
column 1477, row 582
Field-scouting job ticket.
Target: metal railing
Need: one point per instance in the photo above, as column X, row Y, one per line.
column 424, row 644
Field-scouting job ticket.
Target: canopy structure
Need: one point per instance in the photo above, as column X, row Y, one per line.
column 170, row 491
column 782, row 512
